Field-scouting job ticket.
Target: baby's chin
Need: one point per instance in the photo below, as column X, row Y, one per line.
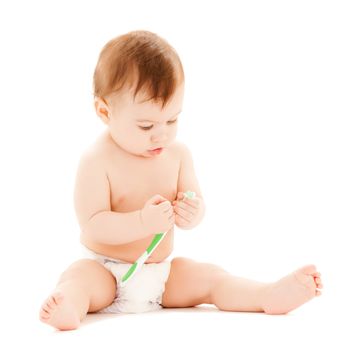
column 144, row 154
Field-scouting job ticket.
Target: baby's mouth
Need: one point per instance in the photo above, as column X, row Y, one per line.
column 155, row 151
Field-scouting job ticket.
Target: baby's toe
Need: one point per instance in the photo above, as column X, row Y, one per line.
column 318, row 282
column 53, row 301
column 304, row 275
column 57, row 298
column 46, row 307
column 309, row 269
column 44, row 315
column 50, row 304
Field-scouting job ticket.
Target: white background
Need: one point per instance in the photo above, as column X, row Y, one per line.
column 266, row 115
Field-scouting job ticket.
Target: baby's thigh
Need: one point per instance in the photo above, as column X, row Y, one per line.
column 96, row 281
column 190, row 283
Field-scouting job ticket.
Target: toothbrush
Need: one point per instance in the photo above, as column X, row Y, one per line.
column 154, row 244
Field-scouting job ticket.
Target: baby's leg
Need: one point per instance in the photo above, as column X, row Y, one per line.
column 86, row 286
column 192, row 283
column 239, row 294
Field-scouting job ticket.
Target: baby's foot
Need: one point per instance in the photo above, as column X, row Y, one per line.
column 292, row 290
column 59, row 312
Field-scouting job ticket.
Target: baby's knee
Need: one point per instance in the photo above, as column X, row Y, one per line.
column 80, row 269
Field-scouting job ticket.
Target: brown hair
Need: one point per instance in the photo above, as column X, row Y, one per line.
column 142, row 57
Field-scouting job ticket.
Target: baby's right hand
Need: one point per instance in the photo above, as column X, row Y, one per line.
column 157, row 215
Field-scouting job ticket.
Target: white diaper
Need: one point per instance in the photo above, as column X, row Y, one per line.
column 144, row 290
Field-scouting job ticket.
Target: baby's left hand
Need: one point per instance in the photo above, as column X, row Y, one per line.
column 188, row 211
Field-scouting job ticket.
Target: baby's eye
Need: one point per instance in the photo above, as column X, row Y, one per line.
column 151, row 126
column 146, row 127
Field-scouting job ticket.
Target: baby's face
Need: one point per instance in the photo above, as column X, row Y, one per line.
column 139, row 127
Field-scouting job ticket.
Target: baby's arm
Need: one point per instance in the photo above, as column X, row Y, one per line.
column 189, row 212
column 93, row 208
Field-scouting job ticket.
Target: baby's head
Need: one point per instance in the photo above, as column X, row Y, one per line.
column 138, row 90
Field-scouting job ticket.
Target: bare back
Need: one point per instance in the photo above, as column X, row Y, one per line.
column 134, row 180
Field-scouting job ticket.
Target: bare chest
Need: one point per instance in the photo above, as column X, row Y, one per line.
column 132, row 182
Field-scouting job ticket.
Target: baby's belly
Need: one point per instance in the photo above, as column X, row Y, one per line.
column 130, row 252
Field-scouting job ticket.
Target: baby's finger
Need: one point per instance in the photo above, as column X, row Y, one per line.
column 183, row 213
column 187, row 207
column 193, row 202
column 171, row 218
column 181, row 221
column 165, row 206
column 169, row 210
column 180, row 196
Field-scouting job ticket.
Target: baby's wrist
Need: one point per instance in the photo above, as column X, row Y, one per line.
column 142, row 225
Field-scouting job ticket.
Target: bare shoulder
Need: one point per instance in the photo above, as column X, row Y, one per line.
column 180, row 148
column 92, row 162
column 181, row 151
column 97, row 151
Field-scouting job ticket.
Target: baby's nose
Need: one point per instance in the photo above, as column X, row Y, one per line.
column 159, row 138
column 159, row 135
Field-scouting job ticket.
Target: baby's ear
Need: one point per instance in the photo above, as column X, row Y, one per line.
column 101, row 109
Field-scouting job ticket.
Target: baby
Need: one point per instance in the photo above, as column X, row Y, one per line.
column 130, row 185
